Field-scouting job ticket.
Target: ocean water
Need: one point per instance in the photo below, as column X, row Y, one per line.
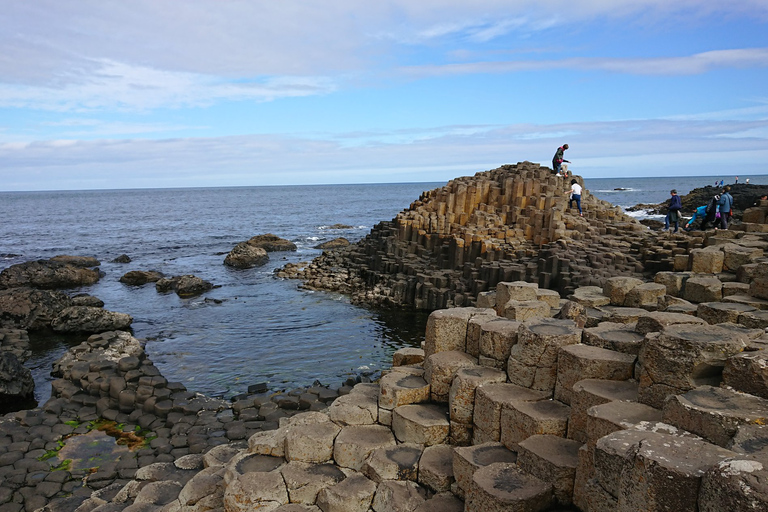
column 253, row 327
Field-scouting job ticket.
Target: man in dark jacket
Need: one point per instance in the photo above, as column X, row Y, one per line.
column 673, row 215
column 557, row 160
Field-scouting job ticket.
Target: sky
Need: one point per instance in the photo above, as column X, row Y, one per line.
column 112, row 94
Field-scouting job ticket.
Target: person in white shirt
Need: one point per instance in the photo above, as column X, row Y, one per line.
column 575, row 195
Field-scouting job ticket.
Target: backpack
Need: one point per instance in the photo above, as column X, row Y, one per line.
column 712, row 206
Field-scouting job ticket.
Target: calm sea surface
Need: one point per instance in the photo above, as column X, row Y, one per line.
column 253, row 327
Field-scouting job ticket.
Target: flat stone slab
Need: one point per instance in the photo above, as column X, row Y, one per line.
column 354, row 409
column 656, row 321
column 398, row 388
column 468, row 459
column 551, row 459
column 355, row 442
column 425, row 424
column 757, row 319
column 311, row 442
column 590, row 296
column 715, row 413
column 400, row 462
column 304, row 480
column 490, row 399
column 755, row 302
column 521, row 420
column 617, row 336
column 721, row 312
column 407, row 355
column 590, row 392
column 503, row 486
column 612, row 416
column 750, row 439
column 683, row 357
column 577, row 362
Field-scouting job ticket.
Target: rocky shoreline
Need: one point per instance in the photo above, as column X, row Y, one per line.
column 583, row 362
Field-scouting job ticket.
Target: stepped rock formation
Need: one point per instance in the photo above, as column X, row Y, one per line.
column 508, row 224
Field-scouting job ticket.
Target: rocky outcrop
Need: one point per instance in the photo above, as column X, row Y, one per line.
column 31, row 309
column 184, row 286
column 744, row 197
column 77, row 261
column 88, row 319
column 336, row 243
column 123, row 258
column 141, row 277
column 271, row 243
column 48, row 274
column 453, row 243
column 16, row 383
column 245, row 255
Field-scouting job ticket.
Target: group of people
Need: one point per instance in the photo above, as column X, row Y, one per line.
column 718, row 211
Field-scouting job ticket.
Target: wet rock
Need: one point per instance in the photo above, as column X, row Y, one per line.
column 184, row 286
column 141, row 277
column 47, row 275
column 271, row 243
column 336, row 243
column 16, row 383
column 90, row 320
column 31, row 309
column 245, row 255
column 123, row 258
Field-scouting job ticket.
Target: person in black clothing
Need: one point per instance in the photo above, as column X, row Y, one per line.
column 673, row 215
column 558, row 159
column 710, row 213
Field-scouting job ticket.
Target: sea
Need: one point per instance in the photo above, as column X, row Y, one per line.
column 252, row 328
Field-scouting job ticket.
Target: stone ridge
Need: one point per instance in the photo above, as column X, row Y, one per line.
column 507, row 224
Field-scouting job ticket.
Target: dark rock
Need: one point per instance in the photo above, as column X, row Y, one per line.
column 16, row 383
column 84, row 299
column 333, row 244
column 184, row 286
column 271, row 243
column 245, row 255
column 47, row 275
column 123, row 258
column 77, row 261
column 90, row 319
column 141, row 277
column 30, row 309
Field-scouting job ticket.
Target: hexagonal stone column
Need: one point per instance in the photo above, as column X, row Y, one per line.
column 523, row 310
column 436, row 467
column 614, row 336
column 609, row 417
column 400, row 462
column 489, row 401
column 715, row 413
column 447, row 329
column 707, row 261
column 305, row 480
column 402, row 388
column 577, row 362
column 533, row 360
column 312, row 442
column 734, row 485
column 461, row 401
column 645, row 296
column 516, row 290
column 658, row 471
column 355, row 442
column 496, row 340
column 658, row 320
column 425, row 424
column 703, row 289
column 501, row 487
column 440, row 369
column 353, row 494
column 354, row 409
column 590, row 392
column 255, row 490
column 394, row 496
column 721, row 312
column 683, row 357
column 521, row 420
column 748, row 372
column 468, row 459
column 551, row 459
column 616, row 288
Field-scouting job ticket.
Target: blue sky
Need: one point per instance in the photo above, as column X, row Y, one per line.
column 133, row 94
